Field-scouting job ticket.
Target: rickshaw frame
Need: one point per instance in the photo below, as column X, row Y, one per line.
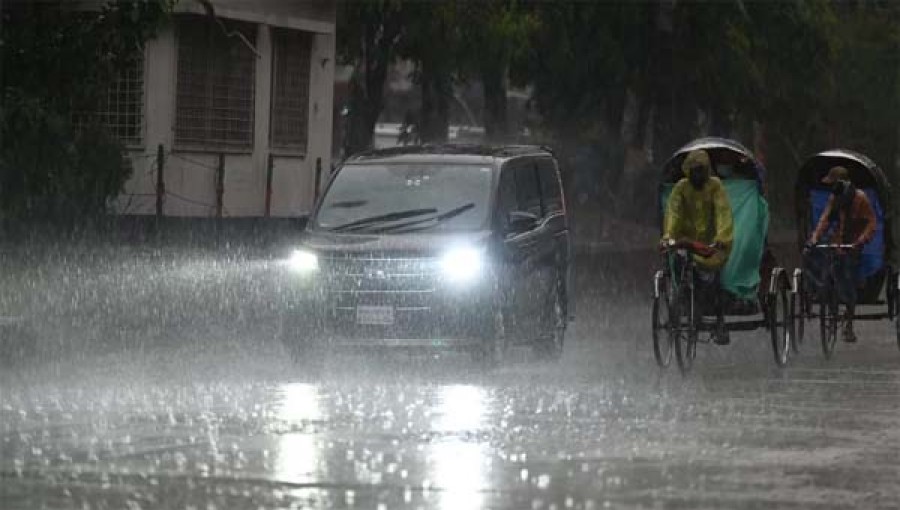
column 864, row 174
column 768, row 293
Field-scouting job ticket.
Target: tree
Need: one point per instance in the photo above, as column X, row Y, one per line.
column 790, row 51
column 369, row 34
column 636, row 80
column 579, row 63
column 494, row 33
column 615, row 75
column 432, row 43
column 69, row 57
column 56, row 161
column 867, row 81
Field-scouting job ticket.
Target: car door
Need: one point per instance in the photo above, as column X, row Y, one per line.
column 511, row 254
column 556, row 255
column 524, row 249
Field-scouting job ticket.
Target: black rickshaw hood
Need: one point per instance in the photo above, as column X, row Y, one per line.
column 714, row 142
column 671, row 170
column 864, row 173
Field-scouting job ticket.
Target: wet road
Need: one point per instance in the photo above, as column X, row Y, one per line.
column 216, row 417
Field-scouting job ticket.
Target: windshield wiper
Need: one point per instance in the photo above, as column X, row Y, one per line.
column 394, row 216
column 349, row 204
column 411, row 226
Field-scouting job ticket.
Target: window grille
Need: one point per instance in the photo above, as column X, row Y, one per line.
column 216, row 77
column 121, row 108
column 290, row 88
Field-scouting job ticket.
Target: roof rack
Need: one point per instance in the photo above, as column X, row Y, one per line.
column 453, row 149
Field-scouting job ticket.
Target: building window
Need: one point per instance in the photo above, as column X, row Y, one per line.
column 121, row 109
column 290, row 88
column 216, row 77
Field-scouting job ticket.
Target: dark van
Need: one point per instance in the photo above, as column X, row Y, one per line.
column 436, row 247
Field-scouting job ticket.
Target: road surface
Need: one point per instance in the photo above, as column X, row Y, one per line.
column 183, row 413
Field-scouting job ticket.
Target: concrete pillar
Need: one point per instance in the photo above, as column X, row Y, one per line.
column 262, row 114
column 321, row 100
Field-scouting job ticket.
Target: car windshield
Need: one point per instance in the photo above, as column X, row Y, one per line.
column 402, row 198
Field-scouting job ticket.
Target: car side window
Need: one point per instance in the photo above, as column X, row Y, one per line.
column 507, row 200
column 528, row 188
column 550, row 186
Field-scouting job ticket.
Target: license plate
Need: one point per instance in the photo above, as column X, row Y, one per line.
column 375, row 315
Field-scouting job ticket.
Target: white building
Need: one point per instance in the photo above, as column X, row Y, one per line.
column 253, row 90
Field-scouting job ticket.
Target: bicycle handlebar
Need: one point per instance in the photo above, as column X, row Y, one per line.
column 831, row 246
column 696, row 247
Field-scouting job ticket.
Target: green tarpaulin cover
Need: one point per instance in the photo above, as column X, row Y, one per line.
column 740, row 276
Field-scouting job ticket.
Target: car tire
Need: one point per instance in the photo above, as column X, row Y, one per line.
column 550, row 348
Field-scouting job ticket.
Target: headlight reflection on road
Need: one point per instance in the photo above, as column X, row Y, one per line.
column 461, row 408
column 300, row 403
column 459, row 464
column 297, row 454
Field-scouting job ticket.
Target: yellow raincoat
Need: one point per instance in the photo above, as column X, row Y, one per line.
column 702, row 215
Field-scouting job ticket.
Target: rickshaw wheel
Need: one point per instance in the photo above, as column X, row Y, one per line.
column 663, row 330
column 799, row 321
column 828, row 322
column 685, row 334
column 780, row 323
column 896, row 304
column 800, row 311
column 897, row 326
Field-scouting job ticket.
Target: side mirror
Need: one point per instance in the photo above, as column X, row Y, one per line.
column 521, row 221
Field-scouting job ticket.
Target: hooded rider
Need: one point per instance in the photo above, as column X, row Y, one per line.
column 851, row 212
column 698, row 210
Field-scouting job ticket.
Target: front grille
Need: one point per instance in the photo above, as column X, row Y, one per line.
column 369, row 280
column 411, row 287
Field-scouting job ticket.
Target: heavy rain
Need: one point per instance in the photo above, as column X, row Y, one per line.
column 214, row 295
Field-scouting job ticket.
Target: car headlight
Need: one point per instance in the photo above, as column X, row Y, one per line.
column 303, row 262
column 462, row 264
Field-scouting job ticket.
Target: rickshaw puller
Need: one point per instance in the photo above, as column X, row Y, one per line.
column 851, row 212
column 698, row 210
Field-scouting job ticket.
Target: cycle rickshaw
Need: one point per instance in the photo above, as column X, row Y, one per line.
column 879, row 294
column 755, row 291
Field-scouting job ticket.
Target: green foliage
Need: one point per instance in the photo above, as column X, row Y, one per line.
column 48, row 47
column 792, row 53
column 448, row 42
column 867, row 81
column 796, row 76
column 369, row 34
column 49, row 170
column 493, row 33
column 366, row 26
column 576, row 61
column 57, row 65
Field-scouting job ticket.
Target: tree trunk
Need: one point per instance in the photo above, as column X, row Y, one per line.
column 638, row 137
column 720, row 122
column 614, row 116
column 364, row 115
column 368, row 80
column 662, row 80
column 493, row 80
column 436, row 90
